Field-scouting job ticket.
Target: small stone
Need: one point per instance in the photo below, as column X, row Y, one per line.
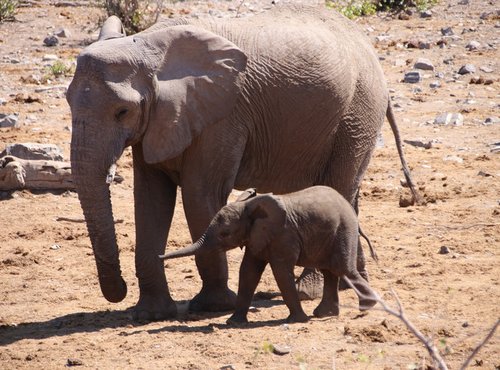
column 447, row 31
column 463, row 2
column 491, row 121
column 448, row 61
column 281, row 350
column 439, row 75
column 3, row 101
column 55, row 247
column 412, row 77
column 51, row 40
column 453, row 158
column 63, row 32
column 424, row 45
column 9, row 120
column 74, row 362
column 473, row 45
column 403, row 16
column 465, row 324
column 444, row 119
column 49, row 57
column 444, row 250
column 486, row 69
column 426, row 14
column 227, row 367
column 466, row 69
column 435, row 84
column 424, row 64
column 484, row 174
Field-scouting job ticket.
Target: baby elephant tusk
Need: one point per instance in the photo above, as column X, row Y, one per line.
column 111, row 174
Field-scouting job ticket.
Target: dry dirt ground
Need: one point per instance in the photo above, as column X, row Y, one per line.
column 53, row 315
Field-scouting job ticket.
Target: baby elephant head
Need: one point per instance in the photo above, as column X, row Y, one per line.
column 253, row 223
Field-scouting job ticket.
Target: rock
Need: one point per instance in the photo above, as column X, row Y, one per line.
column 447, row 31
column 453, row 158
column 424, row 45
column 281, row 350
column 491, row 121
column 33, row 151
column 3, row 101
column 9, row 120
column 63, row 32
column 49, row 57
column 439, row 75
column 463, row 2
column 51, row 40
column 466, row 69
column 424, row 64
column 426, row 14
column 419, row 143
column 412, row 77
column 435, row 84
column 455, row 119
column 473, row 45
column 448, row 61
column 74, row 362
column 444, row 250
column 465, row 324
column 486, row 69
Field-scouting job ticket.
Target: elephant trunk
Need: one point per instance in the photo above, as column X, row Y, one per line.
column 90, row 175
column 190, row 250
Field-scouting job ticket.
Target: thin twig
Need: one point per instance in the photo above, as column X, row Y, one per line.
column 480, row 345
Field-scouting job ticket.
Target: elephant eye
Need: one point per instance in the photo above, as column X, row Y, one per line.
column 121, row 113
column 224, row 234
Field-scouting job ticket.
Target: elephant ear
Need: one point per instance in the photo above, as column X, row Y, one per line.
column 112, row 28
column 247, row 194
column 198, row 81
column 267, row 216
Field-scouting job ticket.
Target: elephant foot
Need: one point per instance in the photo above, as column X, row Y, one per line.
column 367, row 303
column 237, row 320
column 154, row 308
column 213, row 300
column 310, row 284
column 297, row 317
column 325, row 310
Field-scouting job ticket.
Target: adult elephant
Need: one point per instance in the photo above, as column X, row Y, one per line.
column 288, row 99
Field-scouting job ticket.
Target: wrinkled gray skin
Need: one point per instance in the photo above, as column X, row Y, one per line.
column 315, row 227
column 280, row 101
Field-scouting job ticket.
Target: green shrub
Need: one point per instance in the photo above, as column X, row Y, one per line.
column 136, row 15
column 8, row 9
column 353, row 8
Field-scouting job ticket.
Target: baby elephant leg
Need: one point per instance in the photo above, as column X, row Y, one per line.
column 283, row 273
column 329, row 305
column 367, row 297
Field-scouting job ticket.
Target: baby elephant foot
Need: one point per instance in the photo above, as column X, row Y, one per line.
column 237, row 320
column 154, row 308
column 297, row 317
column 325, row 310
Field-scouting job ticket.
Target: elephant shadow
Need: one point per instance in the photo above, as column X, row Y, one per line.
column 89, row 322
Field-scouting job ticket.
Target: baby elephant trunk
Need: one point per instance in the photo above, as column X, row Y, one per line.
column 184, row 252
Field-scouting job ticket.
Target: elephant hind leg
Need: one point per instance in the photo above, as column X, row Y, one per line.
column 367, row 297
column 329, row 305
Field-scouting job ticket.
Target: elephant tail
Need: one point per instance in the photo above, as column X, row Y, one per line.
column 372, row 250
column 394, row 127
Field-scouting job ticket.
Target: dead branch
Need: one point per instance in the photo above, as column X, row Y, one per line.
column 428, row 343
column 480, row 345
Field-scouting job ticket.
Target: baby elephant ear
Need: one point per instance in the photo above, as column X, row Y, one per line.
column 267, row 217
column 247, row 194
column 198, row 83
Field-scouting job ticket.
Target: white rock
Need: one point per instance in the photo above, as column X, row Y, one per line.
column 424, row 64
column 444, row 119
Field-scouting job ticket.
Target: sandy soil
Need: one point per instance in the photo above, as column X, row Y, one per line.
column 53, row 315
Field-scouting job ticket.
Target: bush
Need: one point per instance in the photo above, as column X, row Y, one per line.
column 8, row 9
column 356, row 8
column 136, row 15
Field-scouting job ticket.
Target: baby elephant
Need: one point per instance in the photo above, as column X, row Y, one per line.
column 315, row 228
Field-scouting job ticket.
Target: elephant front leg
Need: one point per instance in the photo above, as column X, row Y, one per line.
column 283, row 273
column 154, row 196
column 250, row 273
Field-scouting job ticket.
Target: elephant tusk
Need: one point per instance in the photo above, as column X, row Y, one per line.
column 111, row 174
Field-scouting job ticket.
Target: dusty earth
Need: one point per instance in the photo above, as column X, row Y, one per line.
column 53, row 315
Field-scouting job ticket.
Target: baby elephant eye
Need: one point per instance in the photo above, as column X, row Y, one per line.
column 121, row 113
column 224, row 234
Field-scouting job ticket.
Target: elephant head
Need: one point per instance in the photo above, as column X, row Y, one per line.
column 252, row 223
column 160, row 88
